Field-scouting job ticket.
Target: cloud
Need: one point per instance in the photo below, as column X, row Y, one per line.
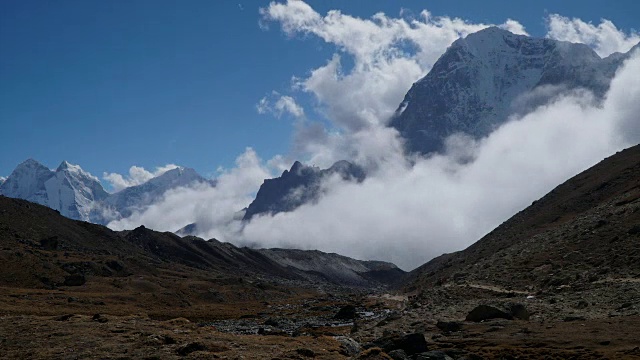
column 212, row 208
column 410, row 213
column 283, row 105
column 358, row 89
column 604, row 38
column 407, row 210
column 137, row 175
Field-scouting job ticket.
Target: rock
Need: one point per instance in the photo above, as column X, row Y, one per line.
column 374, row 354
column 582, row 304
column 449, row 326
column 486, row 312
column 398, row 354
column 519, row 311
column 573, row 318
column 99, row 318
column 187, row 349
column 411, row 343
column 347, row 312
column 433, row 355
column 63, row 317
column 349, row 346
column 74, row 280
column 306, row 352
column 115, row 265
column 50, row 243
column 272, row 322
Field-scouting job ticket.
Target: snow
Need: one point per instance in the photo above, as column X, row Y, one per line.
column 481, row 80
column 77, row 194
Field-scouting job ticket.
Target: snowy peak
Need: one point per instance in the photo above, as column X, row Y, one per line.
column 483, row 78
column 27, row 182
column 79, row 195
column 68, row 189
column 136, row 198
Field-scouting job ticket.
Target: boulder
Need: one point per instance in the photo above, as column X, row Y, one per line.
column 449, row 326
column 347, row 312
column 349, row 347
column 398, row 354
column 74, row 280
column 519, row 311
column 486, row 312
column 187, row 349
column 410, row 343
column 433, row 355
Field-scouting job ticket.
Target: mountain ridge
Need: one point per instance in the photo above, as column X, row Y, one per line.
column 79, row 195
column 489, row 75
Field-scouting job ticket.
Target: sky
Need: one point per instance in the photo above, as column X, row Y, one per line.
column 239, row 91
column 113, row 84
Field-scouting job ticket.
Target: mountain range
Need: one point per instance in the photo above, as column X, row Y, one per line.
column 79, row 195
column 475, row 86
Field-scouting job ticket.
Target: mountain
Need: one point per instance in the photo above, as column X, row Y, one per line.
column 68, row 189
column 79, row 195
column 43, row 232
column 123, row 203
column 484, row 78
column 585, row 233
column 334, row 268
column 297, row 186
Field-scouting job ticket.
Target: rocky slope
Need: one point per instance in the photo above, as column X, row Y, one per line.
column 43, row 232
column 581, row 238
column 484, row 78
column 335, row 268
column 299, row 185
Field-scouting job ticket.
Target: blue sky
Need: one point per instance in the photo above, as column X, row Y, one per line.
column 111, row 84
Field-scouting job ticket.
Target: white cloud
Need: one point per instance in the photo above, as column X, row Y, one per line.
column 388, row 54
column 283, row 104
column 137, row 175
column 212, row 208
column 384, row 56
column 409, row 214
column 605, row 38
column 408, row 210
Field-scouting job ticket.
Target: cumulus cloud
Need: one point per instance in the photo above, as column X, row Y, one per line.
column 283, row 104
column 137, row 175
column 360, row 86
column 388, row 55
column 605, row 38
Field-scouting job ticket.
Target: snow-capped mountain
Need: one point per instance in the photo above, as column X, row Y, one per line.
column 68, row 189
column 79, row 195
column 123, row 203
column 300, row 185
column 484, row 78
